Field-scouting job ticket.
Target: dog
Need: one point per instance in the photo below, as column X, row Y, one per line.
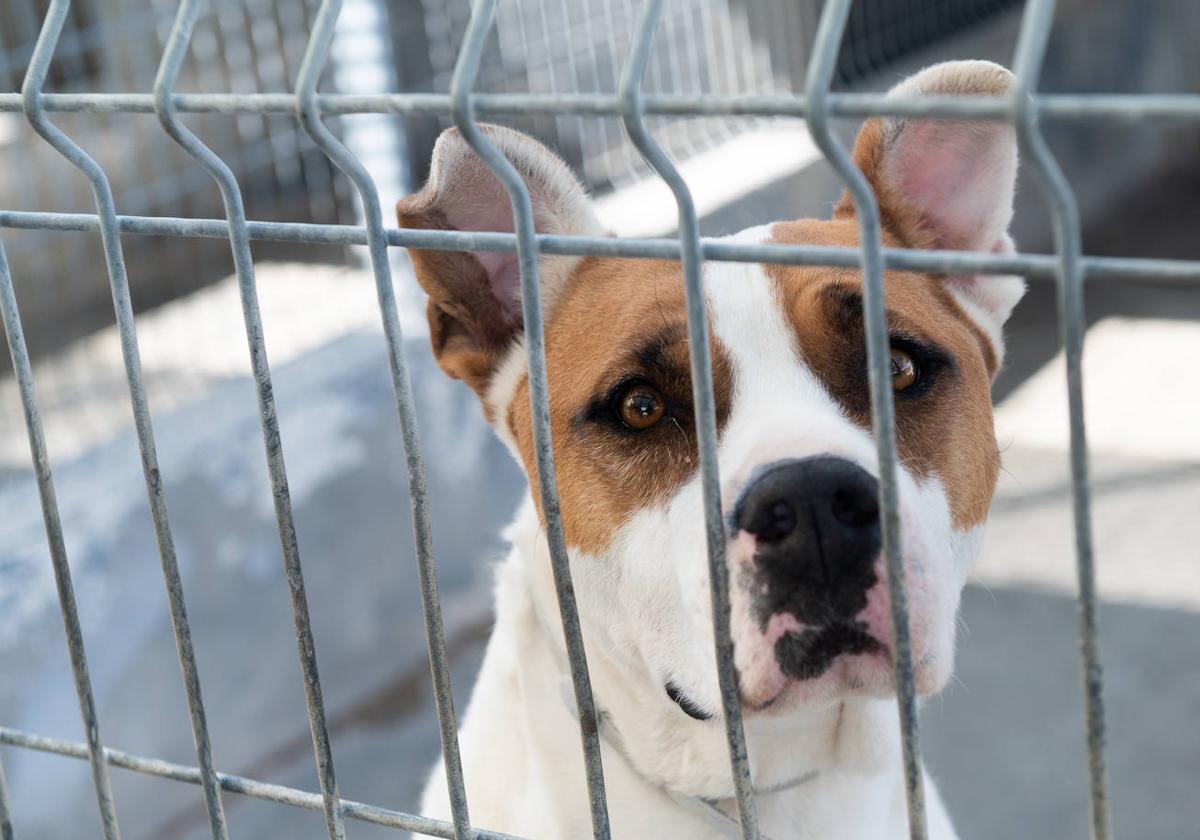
column 809, row 603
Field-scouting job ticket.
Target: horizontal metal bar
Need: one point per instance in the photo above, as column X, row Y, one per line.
column 1116, row 108
column 1039, row 266
column 245, row 786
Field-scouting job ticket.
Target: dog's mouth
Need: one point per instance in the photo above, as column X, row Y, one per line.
column 809, row 653
column 845, row 653
column 801, row 656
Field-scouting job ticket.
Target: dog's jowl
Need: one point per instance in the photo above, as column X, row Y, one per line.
column 810, row 611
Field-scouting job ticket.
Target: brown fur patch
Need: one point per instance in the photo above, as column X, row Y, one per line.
column 618, row 321
column 947, row 431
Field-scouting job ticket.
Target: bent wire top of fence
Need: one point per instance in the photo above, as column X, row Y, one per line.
column 1069, row 267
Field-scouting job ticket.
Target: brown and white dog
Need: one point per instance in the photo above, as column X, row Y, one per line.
column 798, row 472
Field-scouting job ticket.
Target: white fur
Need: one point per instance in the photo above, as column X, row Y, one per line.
column 523, row 760
column 509, row 375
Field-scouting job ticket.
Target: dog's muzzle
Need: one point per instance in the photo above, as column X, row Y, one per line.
column 815, row 523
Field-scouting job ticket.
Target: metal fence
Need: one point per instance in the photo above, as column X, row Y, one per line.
column 1069, row 267
column 111, row 46
column 718, row 47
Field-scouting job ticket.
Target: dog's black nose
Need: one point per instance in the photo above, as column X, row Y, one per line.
column 816, row 521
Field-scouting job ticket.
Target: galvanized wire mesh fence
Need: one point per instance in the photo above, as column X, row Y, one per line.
column 717, row 47
column 1025, row 109
column 115, row 46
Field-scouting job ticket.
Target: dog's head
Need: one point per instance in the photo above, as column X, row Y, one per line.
column 810, row 617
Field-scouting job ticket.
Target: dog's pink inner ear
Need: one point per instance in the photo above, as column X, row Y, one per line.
column 475, row 308
column 472, row 199
column 959, row 178
column 943, row 183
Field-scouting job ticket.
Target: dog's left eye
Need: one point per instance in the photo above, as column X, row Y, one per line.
column 905, row 371
column 641, row 406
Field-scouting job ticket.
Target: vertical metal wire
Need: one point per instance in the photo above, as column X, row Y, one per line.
column 23, row 371
column 633, row 115
column 164, row 82
column 6, row 829
column 821, row 67
column 1027, row 65
column 463, row 107
column 174, row 584
column 307, row 110
column 31, row 93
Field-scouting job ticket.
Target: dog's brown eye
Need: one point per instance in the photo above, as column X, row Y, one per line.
column 641, row 407
column 904, row 370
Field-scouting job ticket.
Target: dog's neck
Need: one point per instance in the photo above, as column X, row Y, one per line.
column 652, row 750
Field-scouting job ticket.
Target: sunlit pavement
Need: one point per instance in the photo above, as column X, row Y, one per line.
column 1006, row 740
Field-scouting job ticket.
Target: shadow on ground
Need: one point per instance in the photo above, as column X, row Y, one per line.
column 1006, row 740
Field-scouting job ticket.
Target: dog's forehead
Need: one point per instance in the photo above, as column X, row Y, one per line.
column 630, row 297
column 924, row 302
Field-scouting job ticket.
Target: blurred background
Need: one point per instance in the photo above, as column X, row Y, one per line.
column 1006, row 739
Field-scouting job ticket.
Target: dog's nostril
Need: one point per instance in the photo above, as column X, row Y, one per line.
column 770, row 518
column 779, row 521
column 857, row 508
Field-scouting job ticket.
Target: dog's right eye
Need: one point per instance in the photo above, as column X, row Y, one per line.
column 641, row 407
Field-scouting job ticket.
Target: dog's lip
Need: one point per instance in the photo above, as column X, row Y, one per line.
column 878, row 651
column 808, row 653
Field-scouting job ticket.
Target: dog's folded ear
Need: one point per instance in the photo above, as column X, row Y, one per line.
column 948, row 184
column 475, row 297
